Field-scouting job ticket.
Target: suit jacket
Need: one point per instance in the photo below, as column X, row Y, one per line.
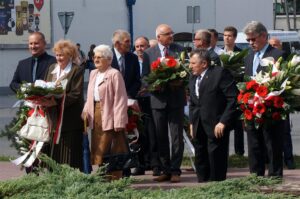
column 74, row 97
column 132, row 73
column 113, row 99
column 217, row 101
column 25, row 67
column 214, row 57
column 270, row 52
column 174, row 98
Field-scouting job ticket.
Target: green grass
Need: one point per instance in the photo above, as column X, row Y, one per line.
column 6, row 158
column 65, row 182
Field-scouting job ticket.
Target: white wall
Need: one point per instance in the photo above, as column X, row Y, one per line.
column 95, row 21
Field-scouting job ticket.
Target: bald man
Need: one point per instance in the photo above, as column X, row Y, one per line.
column 167, row 108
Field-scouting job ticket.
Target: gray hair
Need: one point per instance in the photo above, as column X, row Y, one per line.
column 202, row 54
column 255, row 27
column 204, row 36
column 119, row 35
column 104, row 51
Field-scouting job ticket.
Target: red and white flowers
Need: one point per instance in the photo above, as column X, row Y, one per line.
column 271, row 94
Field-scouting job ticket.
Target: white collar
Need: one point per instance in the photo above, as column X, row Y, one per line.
column 63, row 72
column 118, row 54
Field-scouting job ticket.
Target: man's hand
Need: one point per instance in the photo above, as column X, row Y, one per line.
column 191, row 131
column 219, row 130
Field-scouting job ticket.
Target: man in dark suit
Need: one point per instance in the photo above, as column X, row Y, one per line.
column 167, row 108
column 212, row 110
column 34, row 67
column 229, row 36
column 267, row 136
column 126, row 62
column 202, row 40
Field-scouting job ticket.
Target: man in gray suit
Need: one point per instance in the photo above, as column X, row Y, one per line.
column 167, row 108
column 202, row 40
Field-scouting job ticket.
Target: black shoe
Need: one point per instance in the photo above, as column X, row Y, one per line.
column 156, row 171
column 138, row 171
column 290, row 165
column 126, row 173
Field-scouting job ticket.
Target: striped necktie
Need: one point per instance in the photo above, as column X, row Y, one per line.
column 255, row 63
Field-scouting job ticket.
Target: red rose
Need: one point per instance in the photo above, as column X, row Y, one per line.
column 262, row 91
column 248, row 114
column 246, row 97
column 276, row 116
column 269, row 102
column 251, row 85
column 242, row 107
column 171, row 62
column 155, row 64
column 259, row 108
column 278, row 101
column 240, row 97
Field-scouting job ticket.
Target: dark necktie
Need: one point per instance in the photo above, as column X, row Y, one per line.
column 122, row 65
column 35, row 63
column 255, row 63
column 166, row 51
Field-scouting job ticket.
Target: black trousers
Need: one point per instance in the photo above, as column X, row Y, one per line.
column 211, row 155
column 172, row 118
column 239, row 138
column 287, row 143
column 148, row 154
column 267, row 140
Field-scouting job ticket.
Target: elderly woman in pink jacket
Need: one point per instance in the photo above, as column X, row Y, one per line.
column 106, row 109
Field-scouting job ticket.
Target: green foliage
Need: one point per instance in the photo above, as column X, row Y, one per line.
column 65, row 182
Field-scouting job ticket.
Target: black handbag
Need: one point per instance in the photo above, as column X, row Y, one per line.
column 122, row 161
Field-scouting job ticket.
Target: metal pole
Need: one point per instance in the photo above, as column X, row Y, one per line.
column 287, row 15
column 295, row 19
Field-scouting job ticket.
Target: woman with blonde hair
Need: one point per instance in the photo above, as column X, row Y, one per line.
column 68, row 149
column 106, row 109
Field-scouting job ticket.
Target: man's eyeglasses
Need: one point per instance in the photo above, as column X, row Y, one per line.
column 167, row 33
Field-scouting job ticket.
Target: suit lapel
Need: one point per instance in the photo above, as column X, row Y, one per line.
column 204, row 82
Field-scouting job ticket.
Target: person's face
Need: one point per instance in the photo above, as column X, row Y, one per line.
column 165, row 36
column 229, row 38
column 140, row 46
column 36, row 45
column 198, row 43
column 257, row 41
column 213, row 40
column 62, row 59
column 124, row 45
column 197, row 65
column 275, row 43
column 101, row 63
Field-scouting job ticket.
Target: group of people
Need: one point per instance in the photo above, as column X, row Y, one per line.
column 118, row 76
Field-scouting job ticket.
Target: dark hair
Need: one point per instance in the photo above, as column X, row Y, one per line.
column 214, row 32
column 202, row 54
column 231, row 29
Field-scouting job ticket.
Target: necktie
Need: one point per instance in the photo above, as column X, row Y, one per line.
column 166, row 53
column 255, row 63
column 197, row 87
column 35, row 63
column 122, row 65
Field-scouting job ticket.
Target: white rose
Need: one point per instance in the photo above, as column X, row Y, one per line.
column 295, row 60
column 182, row 74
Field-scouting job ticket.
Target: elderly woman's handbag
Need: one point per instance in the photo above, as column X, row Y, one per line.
column 36, row 127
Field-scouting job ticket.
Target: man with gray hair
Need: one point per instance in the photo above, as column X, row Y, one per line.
column 126, row 62
column 268, row 139
column 202, row 40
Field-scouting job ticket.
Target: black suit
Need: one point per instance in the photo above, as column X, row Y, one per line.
column 132, row 73
column 214, row 57
column 168, row 110
column 269, row 137
column 25, row 67
column 216, row 103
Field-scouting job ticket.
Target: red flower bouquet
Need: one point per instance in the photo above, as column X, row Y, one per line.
column 272, row 94
column 167, row 71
